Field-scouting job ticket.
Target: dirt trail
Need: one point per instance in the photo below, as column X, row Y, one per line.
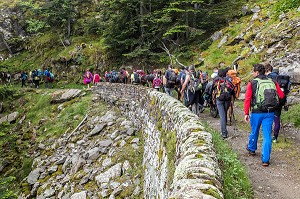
column 281, row 180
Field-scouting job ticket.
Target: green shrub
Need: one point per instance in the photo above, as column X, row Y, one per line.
column 5, row 92
column 285, row 5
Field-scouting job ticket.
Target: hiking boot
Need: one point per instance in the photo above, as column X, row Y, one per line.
column 265, row 164
column 251, row 152
column 274, row 140
column 224, row 135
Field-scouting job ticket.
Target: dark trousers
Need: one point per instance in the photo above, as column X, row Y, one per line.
column 223, row 107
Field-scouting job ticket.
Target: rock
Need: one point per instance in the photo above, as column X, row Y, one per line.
column 84, row 180
column 79, row 163
column 93, row 154
column 67, row 196
column 107, row 162
column 282, row 16
column 49, row 192
column 270, row 50
column 52, row 169
column 122, row 143
column 255, row 17
column 9, row 118
column 98, row 128
column 135, row 141
column 104, row 193
column 114, row 185
column 216, row 36
column 34, row 189
column 126, row 166
column 105, row 143
column 81, row 195
column 256, row 9
column 223, row 41
column 3, row 164
column 64, row 95
column 245, row 9
column 130, row 132
column 33, row 176
column 110, row 174
column 61, row 160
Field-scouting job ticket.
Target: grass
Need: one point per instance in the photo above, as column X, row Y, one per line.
column 236, row 180
column 292, row 115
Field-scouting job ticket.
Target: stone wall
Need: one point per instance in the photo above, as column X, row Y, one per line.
column 179, row 157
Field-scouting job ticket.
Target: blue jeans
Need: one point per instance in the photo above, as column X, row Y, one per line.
column 266, row 120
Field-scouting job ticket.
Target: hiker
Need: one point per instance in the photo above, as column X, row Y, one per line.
column 262, row 96
column 46, row 78
column 96, row 79
column 184, row 72
column 192, row 87
column 156, row 82
column 208, row 89
column 24, row 78
column 223, row 90
column 88, row 78
column 171, row 80
column 270, row 73
column 36, row 78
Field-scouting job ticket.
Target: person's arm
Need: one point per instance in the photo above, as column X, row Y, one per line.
column 247, row 101
column 279, row 91
column 187, row 79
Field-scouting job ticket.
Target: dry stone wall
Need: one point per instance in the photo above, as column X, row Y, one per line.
column 179, row 157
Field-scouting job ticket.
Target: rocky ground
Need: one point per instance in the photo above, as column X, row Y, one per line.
column 282, row 178
column 101, row 158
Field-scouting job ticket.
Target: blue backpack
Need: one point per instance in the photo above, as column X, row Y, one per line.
column 51, row 76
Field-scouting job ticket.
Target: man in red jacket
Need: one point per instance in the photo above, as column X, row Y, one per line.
column 262, row 96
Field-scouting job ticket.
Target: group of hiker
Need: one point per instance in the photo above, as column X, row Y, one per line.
column 36, row 76
column 265, row 97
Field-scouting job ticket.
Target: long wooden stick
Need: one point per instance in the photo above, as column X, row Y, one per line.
column 78, row 126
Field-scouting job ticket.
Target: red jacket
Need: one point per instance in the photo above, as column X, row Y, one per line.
column 249, row 95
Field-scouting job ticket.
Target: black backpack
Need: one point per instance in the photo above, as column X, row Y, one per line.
column 284, row 82
column 172, row 77
column 136, row 78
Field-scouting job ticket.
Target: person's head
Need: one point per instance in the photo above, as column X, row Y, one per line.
column 222, row 73
column 192, row 68
column 268, row 68
column 258, row 69
column 215, row 69
column 170, row 66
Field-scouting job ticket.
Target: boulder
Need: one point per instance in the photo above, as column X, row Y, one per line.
column 9, row 118
column 80, row 195
column 110, row 174
column 216, row 36
column 98, row 128
column 33, row 176
column 64, row 95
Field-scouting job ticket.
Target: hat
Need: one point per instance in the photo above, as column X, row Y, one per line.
column 213, row 75
column 192, row 67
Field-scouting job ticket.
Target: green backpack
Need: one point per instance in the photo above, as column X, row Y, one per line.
column 266, row 96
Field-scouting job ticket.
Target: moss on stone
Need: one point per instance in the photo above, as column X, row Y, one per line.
column 212, row 192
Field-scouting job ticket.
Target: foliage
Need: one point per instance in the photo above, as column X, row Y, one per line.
column 236, row 181
column 6, row 92
column 292, row 115
column 285, row 5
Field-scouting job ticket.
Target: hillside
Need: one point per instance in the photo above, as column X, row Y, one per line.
column 257, row 31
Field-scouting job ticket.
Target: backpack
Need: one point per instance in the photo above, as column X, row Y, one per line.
column 47, row 73
column 284, row 83
column 204, row 76
column 172, row 77
column 224, row 89
column 236, row 81
column 156, row 82
column 24, row 76
column 136, row 78
column 194, row 84
column 51, row 76
column 39, row 72
column 266, row 96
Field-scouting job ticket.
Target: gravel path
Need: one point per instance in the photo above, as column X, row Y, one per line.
column 281, row 180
